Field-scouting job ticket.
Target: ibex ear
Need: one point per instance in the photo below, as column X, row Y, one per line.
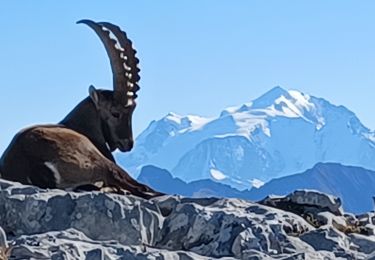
column 94, row 96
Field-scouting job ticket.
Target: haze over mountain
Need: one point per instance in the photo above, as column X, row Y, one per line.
column 354, row 185
column 280, row 133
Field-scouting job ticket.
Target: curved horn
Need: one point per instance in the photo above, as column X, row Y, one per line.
column 123, row 61
column 131, row 60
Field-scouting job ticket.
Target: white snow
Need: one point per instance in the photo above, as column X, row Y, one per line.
column 284, row 132
column 256, row 183
column 187, row 123
column 277, row 103
column 217, row 175
column 174, row 118
column 302, row 101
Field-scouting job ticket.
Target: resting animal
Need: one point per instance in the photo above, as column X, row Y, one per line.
column 77, row 152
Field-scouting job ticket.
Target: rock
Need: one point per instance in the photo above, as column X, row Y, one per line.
column 3, row 239
column 306, row 198
column 315, row 207
column 4, row 248
column 365, row 244
column 318, row 199
column 328, row 218
column 353, row 246
column 56, row 224
column 227, row 227
column 367, row 218
column 73, row 244
column 26, row 210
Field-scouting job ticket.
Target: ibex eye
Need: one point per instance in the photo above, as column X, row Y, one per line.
column 116, row 114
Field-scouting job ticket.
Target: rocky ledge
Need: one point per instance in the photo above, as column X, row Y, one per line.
column 54, row 224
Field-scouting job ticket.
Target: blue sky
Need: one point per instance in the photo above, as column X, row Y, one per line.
column 197, row 57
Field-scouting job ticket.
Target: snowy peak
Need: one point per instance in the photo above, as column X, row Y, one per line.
column 277, row 102
column 269, row 98
column 170, row 126
column 280, row 102
column 277, row 98
column 281, row 132
column 189, row 122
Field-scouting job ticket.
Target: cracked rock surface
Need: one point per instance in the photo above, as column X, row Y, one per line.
column 55, row 224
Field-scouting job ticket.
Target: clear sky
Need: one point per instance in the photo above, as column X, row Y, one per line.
column 197, row 57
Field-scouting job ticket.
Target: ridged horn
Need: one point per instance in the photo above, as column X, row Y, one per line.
column 122, row 57
column 131, row 60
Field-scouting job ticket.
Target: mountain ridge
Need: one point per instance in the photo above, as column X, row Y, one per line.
column 354, row 185
column 282, row 131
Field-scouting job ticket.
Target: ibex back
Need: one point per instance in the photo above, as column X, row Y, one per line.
column 77, row 152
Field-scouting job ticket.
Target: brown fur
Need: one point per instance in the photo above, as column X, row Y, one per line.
column 77, row 161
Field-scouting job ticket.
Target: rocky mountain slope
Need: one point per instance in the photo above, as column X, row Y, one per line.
column 54, row 224
column 280, row 133
column 354, row 185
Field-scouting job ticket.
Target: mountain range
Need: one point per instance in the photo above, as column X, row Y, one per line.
column 355, row 186
column 280, row 133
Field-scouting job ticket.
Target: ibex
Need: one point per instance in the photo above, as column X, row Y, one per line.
column 77, row 152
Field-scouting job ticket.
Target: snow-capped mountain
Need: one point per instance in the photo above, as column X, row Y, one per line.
column 279, row 133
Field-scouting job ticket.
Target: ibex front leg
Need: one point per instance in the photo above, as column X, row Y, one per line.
column 120, row 180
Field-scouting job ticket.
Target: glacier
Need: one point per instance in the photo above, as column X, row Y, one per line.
column 279, row 133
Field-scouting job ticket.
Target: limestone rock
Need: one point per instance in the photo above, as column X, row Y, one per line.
column 56, row 224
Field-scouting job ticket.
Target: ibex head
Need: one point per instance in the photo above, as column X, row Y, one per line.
column 116, row 107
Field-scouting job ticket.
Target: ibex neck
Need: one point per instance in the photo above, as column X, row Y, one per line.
column 85, row 119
